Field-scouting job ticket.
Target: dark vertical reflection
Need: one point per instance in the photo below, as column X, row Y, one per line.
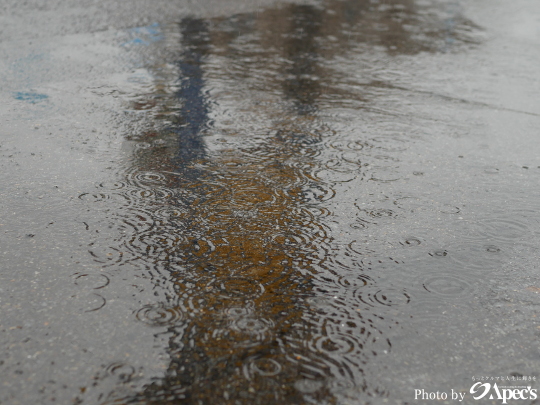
column 301, row 84
column 194, row 107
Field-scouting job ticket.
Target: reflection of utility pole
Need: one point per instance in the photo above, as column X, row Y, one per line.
column 194, row 110
column 301, row 50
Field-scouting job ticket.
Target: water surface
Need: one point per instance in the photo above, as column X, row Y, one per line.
column 311, row 203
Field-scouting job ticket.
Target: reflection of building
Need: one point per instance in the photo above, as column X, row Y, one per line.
column 244, row 252
column 239, row 241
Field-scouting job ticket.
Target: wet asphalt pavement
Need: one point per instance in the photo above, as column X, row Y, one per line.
column 259, row 202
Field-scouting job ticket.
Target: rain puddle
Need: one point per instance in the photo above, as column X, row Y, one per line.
column 306, row 194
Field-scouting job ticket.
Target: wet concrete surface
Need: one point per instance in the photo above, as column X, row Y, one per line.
column 326, row 202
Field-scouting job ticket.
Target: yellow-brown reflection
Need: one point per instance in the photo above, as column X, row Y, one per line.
column 241, row 266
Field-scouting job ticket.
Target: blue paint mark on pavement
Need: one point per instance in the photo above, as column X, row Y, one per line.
column 30, row 96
